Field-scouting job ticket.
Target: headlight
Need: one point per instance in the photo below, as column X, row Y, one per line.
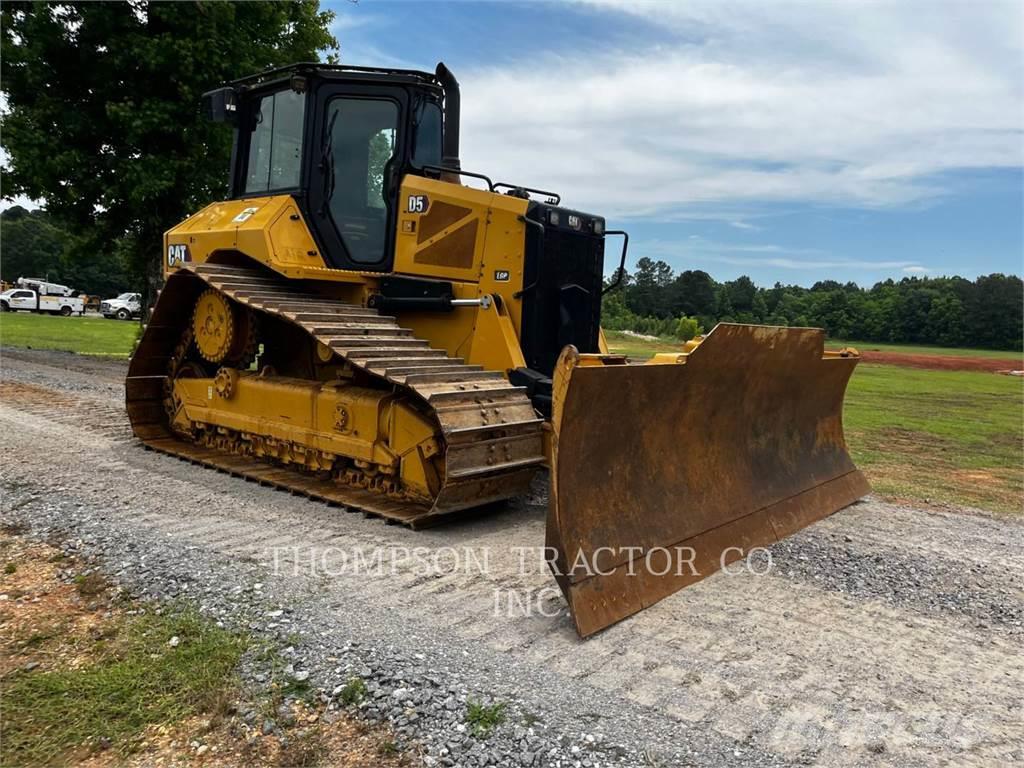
column 554, row 219
column 598, row 226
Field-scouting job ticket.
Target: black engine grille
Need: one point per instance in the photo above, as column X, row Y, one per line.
column 562, row 286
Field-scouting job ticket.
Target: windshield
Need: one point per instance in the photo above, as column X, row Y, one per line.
column 126, row 297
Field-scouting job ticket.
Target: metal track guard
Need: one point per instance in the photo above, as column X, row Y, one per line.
column 663, row 474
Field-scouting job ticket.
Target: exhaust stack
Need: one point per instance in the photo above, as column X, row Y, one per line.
column 450, row 148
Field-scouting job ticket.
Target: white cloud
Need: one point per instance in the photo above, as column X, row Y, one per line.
column 833, row 103
column 351, row 18
column 699, row 250
column 743, row 225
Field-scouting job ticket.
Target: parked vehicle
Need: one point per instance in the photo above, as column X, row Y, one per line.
column 125, row 307
column 33, row 301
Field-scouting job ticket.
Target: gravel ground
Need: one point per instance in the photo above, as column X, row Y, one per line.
column 884, row 635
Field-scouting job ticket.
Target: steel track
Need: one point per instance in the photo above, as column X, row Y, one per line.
column 491, row 434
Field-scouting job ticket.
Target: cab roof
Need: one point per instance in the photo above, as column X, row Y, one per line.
column 338, row 72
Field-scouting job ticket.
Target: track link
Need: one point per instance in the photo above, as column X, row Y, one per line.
column 492, row 435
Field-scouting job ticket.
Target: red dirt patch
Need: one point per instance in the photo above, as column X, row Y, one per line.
column 944, row 362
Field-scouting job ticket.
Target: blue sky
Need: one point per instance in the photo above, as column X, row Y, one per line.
column 792, row 142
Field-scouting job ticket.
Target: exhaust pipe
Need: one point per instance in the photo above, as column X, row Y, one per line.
column 450, row 147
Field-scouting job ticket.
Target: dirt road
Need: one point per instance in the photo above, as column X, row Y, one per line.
column 944, row 362
column 884, row 635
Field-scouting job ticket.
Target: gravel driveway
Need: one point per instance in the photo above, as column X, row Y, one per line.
column 884, row 635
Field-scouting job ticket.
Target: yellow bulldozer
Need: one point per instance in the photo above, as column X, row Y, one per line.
column 366, row 322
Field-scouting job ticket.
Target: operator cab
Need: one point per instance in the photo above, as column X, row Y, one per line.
column 338, row 139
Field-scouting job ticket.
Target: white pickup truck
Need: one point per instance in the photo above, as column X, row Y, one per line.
column 33, row 301
column 124, row 307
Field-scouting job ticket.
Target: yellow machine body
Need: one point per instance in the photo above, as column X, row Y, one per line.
column 263, row 359
column 466, row 235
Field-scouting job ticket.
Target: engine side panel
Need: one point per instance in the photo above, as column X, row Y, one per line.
column 270, row 230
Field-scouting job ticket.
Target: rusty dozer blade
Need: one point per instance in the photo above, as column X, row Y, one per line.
column 664, row 473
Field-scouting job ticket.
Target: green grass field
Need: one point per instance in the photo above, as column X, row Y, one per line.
column 953, row 436
column 920, row 435
column 86, row 335
column 624, row 344
column 135, row 681
column 910, row 349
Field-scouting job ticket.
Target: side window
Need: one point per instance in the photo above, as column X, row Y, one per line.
column 362, row 142
column 427, row 149
column 275, row 147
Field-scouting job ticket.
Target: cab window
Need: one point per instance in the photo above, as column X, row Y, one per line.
column 275, row 145
column 361, row 146
column 427, row 149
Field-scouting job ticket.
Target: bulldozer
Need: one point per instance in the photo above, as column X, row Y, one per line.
column 368, row 323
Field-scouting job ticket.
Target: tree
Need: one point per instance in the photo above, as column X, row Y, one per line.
column 693, row 293
column 687, row 328
column 648, row 295
column 946, row 320
column 723, row 304
column 759, row 307
column 32, row 245
column 380, row 149
column 995, row 311
column 741, row 293
column 36, row 246
column 615, row 315
column 104, row 118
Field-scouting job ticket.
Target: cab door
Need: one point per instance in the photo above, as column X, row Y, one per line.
column 23, row 300
column 358, row 140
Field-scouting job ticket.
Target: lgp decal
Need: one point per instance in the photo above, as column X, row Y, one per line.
column 177, row 253
column 501, row 276
column 244, row 215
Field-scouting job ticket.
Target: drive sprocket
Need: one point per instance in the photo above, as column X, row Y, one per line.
column 224, row 332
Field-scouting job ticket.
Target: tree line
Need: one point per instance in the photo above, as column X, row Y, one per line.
column 987, row 312
column 34, row 245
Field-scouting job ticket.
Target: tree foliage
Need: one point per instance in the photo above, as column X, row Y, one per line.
column 36, row 246
column 104, row 120
column 947, row 311
column 33, row 246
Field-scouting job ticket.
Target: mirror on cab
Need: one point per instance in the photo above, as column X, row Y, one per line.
column 220, row 105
